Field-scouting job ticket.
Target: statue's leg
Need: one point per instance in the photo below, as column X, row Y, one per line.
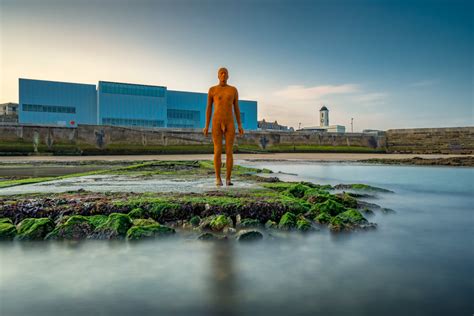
column 217, row 139
column 229, row 144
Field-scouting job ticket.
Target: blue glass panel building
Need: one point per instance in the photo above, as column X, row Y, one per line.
column 120, row 104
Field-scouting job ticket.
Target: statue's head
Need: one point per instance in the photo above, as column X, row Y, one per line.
column 223, row 75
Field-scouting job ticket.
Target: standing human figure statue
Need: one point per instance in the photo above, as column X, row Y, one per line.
column 225, row 99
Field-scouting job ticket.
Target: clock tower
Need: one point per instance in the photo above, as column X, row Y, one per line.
column 324, row 117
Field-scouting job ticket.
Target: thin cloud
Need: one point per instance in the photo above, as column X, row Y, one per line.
column 371, row 98
column 424, row 83
column 298, row 92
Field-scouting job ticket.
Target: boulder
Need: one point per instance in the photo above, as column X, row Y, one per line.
column 34, row 228
column 207, row 236
column 76, row 227
column 249, row 235
column 149, row 232
column 250, row 222
column 348, row 220
column 114, row 227
column 7, row 229
column 287, row 221
column 303, row 225
column 219, row 222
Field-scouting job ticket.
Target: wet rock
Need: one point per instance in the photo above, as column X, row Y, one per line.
column 271, row 225
column 348, row 220
column 77, row 227
column 144, row 222
column 346, row 200
column 330, row 207
column 323, row 218
column 34, row 228
column 250, row 222
column 195, row 220
column 249, row 235
column 149, row 232
column 7, row 229
column 367, row 212
column 219, row 222
column 303, row 225
column 207, row 236
column 387, row 210
column 287, row 221
column 360, row 186
column 115, row 226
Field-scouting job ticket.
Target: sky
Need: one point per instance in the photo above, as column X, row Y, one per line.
column 386, row 64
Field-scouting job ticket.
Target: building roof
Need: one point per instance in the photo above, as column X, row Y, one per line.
column 324, row 108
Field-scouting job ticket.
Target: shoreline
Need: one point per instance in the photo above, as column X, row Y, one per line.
column 370, row 158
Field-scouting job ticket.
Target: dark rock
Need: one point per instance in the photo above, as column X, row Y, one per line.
column 249, row 235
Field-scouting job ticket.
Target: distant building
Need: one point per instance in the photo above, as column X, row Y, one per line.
column 118, row 104
column 9, row 113
column 264, row 125
column 9, row 109
column 324, row 124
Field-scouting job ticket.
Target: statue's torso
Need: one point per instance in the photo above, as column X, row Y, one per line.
column 223, row 99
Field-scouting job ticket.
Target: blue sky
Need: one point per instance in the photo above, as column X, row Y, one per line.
column 387, row 64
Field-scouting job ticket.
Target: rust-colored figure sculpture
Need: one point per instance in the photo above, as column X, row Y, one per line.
column 224, row 98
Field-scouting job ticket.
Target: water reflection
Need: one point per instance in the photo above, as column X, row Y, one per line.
column 223, row 279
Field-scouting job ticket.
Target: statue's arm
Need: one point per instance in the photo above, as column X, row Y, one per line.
column 237, row 109
column 210, row 98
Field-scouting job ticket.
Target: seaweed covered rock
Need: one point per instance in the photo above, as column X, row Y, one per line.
column 330, row 207
column 144, row 222
column 249, row 235
column 7, row 229
column 195, row 220
column 297, row 190
column 304, row 225
column 149, row 232
column 220, row 222
column 348, row 220
column 116, row 226
column 250, row 222
column 271, row 224
column 207, row 236
column 34, row 228
column 287, row 221
column 360, row 186
column 76, row 227
column 323, row 218
column 346, row 200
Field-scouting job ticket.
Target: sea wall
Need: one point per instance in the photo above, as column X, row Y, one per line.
column 93, row 139
column 455, row 140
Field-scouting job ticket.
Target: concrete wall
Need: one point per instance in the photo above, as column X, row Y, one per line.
column 94, row 139
column 455, row 140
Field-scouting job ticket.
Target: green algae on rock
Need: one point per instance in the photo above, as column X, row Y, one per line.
column 116, row 226
column 149, row 232
column 249, row 236
column 34, row 228
column 76, row 227
column 304, row 225
column 347, row 220
column 7, row 229
column 360, row 186
column 220, row 222
column 287, row 221
column 250, row 222
column 195, row 220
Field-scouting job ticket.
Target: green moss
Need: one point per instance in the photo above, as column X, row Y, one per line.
column 287, row 221
column 360, row 186
column 195, row 220
column 347, row 200
column 144, row 222
column 7, row 230
column 250, row 222
column 115, row 226
column 297, row 190
column 347, row 220
column 323, row 218
column 303, row 224
column 149, row 231
column 148, row 207
column 97, row 220
column 76, row 227
column 219, row 222
column 330, row 207
column 5, row 220
column 34, row 228
column 137, row 212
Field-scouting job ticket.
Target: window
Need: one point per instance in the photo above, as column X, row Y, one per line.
column 120, row 88
column 48, row 108
column 132, row 122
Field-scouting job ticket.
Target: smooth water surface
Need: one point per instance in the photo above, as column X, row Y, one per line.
column 419, row 261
